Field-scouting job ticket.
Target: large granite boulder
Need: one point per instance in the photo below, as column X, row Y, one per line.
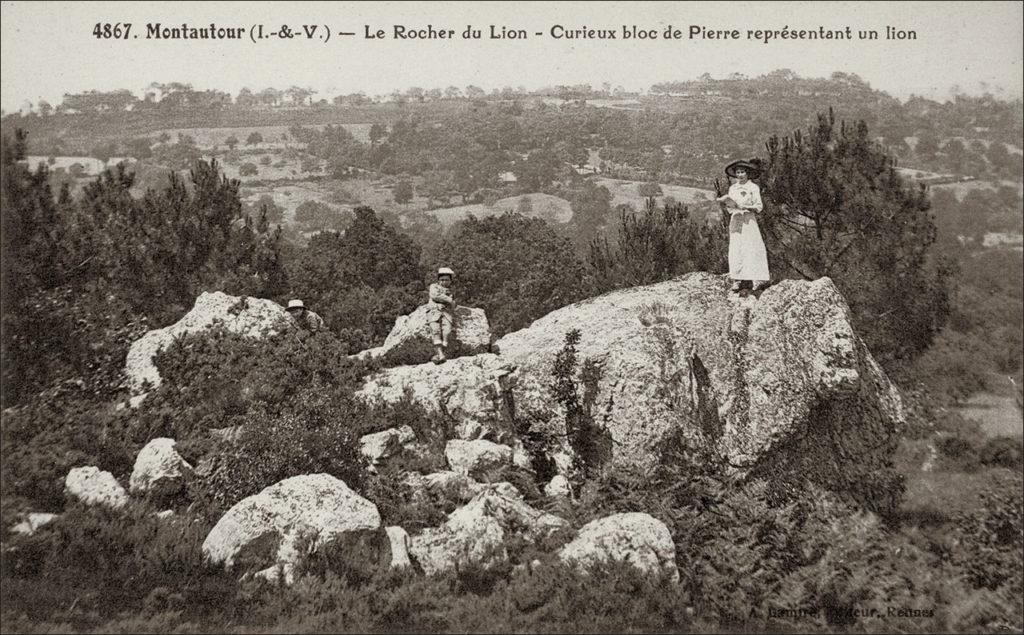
column 285, row 523
column 410, row 340
column 159, row 470
column 779, row 380
column 252, row 317
column 478, row 531
column 636, row 538
column 753, row 382
column 93, row 486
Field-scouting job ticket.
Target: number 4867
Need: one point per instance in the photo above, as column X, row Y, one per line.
column 106, row 31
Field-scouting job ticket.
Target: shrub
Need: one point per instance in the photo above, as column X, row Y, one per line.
column 961, row 452
column 61, row 429
column 591, row 446
column 1002, row 451
column 92, row 563
column 317, row 431
column 990, row 543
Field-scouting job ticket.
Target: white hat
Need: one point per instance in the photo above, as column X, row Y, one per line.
column 296, row 304
column 445, row 271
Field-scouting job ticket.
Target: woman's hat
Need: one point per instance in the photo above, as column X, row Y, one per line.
column 752, row 170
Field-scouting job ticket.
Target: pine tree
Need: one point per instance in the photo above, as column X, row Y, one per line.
column 835, row 206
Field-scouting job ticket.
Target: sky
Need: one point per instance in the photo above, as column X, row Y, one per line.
column 48, row 49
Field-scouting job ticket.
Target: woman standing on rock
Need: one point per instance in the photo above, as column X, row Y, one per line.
column 748, row 259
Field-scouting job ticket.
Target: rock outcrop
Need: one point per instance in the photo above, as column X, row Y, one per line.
column 470, row 390
column 93, row 486
column 252, row 317
column 286, row 522
column 636, row 538
column 478, row 531
column 159, row 470
column 410, row 341
column 751, row 382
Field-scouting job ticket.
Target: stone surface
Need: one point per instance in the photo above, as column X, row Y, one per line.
column 399, row 539
column 93, row 486
column 476, row 458
column 457, row 486
column 159, row 469
column 380, row 445
column 310, row 511
column 410, row 340
column 637, row 538
column 252, row 317
column 406, row 434
column 558, row 486
column 31, row 522
column 758, row 383
column 478, row 531
column 470, row 390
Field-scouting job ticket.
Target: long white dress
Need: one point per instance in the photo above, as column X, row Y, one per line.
column 748, row 259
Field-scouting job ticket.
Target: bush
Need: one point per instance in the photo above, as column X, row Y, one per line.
column 990, row 543
column 61, row 429
column 92, row 564
column 1002, row 451
column 961, row 451
column 317, row 431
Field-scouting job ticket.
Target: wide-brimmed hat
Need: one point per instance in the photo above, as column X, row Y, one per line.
column 752, row 170
column 295, row 304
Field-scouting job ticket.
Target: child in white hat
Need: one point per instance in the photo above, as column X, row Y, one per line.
column 441, row 313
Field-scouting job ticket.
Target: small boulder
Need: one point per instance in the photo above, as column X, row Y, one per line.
column 269, row 528
column 399, row 539
column 478, row 457
column 159, row 470
column 31, row 522
column 95, row 487
column 477, row 532
column 406, row 434
column 558, row 486
column 637, row 538
column 380, row 445
column 410, row 340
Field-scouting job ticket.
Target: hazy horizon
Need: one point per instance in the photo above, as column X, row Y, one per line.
column 965, row 48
